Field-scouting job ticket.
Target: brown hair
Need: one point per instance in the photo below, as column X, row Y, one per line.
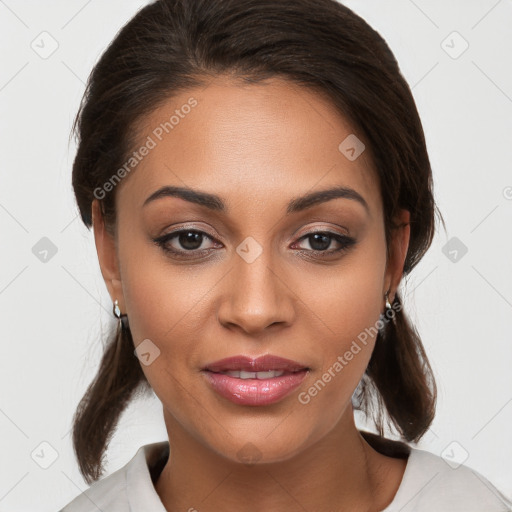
column 171, row 45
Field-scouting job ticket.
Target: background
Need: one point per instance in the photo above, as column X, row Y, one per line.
column 54, row 306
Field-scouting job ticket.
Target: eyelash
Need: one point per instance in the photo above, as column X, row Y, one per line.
column 346, row 243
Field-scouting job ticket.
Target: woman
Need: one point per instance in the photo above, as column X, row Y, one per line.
column 257, row 179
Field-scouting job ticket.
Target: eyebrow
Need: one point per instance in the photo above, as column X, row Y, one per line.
column 297, row 204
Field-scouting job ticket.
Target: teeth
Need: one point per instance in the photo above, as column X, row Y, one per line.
column 254, row 375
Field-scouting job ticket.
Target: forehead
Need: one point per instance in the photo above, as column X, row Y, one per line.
column 269, row 141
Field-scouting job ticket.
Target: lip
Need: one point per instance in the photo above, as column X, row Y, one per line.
column 255, row 391
column 260, row 364
column 252, row 391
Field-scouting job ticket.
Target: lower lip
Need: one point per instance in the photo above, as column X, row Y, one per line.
column 255, row 391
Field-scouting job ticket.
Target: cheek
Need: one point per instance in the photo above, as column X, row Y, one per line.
column 352, row 296
column 164, row 302
column 349, row 307
column 167, row 309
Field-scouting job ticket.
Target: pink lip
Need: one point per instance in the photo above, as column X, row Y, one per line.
column 255, row 391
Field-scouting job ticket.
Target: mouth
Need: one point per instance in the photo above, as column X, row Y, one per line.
column 270, row 374
column 260, row 381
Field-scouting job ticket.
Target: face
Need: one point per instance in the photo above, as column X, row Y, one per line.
column 252, row 271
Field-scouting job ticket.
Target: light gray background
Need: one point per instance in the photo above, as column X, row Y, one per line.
column 54, row 313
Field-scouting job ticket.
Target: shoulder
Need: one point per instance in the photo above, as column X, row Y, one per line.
column 430, row 483
column 124, row 489
column 109, row 493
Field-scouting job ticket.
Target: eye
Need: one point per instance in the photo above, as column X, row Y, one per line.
column 320, row 241
column 184, row 243
column 188, row 243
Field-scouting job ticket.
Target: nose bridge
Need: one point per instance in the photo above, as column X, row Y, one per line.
column 257, row 296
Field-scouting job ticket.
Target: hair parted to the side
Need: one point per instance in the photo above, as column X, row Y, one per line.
column 172, row 45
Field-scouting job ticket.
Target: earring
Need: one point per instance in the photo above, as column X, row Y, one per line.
column 116, row 310
column 123, row 319
column 385, row 316
column 388, row 304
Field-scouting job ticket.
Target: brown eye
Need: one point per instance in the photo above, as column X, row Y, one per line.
column 320, row 241
column 184, row 241
column 190, row 240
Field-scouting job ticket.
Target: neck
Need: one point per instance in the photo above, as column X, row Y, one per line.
column 341, row 470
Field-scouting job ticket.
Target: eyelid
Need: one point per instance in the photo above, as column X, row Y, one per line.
column 177, row 228
column 295, row 236
column 324, row 229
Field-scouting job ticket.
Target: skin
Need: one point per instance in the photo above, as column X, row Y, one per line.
column 256, row 146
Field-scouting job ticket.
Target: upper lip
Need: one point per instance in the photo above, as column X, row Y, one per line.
column 261, row 364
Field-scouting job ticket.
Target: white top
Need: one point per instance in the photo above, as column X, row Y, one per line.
column 429, row 484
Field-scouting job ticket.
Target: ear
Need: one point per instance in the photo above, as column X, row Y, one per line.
column 107, row 256
column 399, row 244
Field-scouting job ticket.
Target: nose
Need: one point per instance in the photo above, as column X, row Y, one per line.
column 256, row 295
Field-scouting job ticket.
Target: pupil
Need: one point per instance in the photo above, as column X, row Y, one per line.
column 190, row 240
column 323, row 240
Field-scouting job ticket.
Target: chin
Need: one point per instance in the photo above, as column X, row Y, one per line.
column 268, row 444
